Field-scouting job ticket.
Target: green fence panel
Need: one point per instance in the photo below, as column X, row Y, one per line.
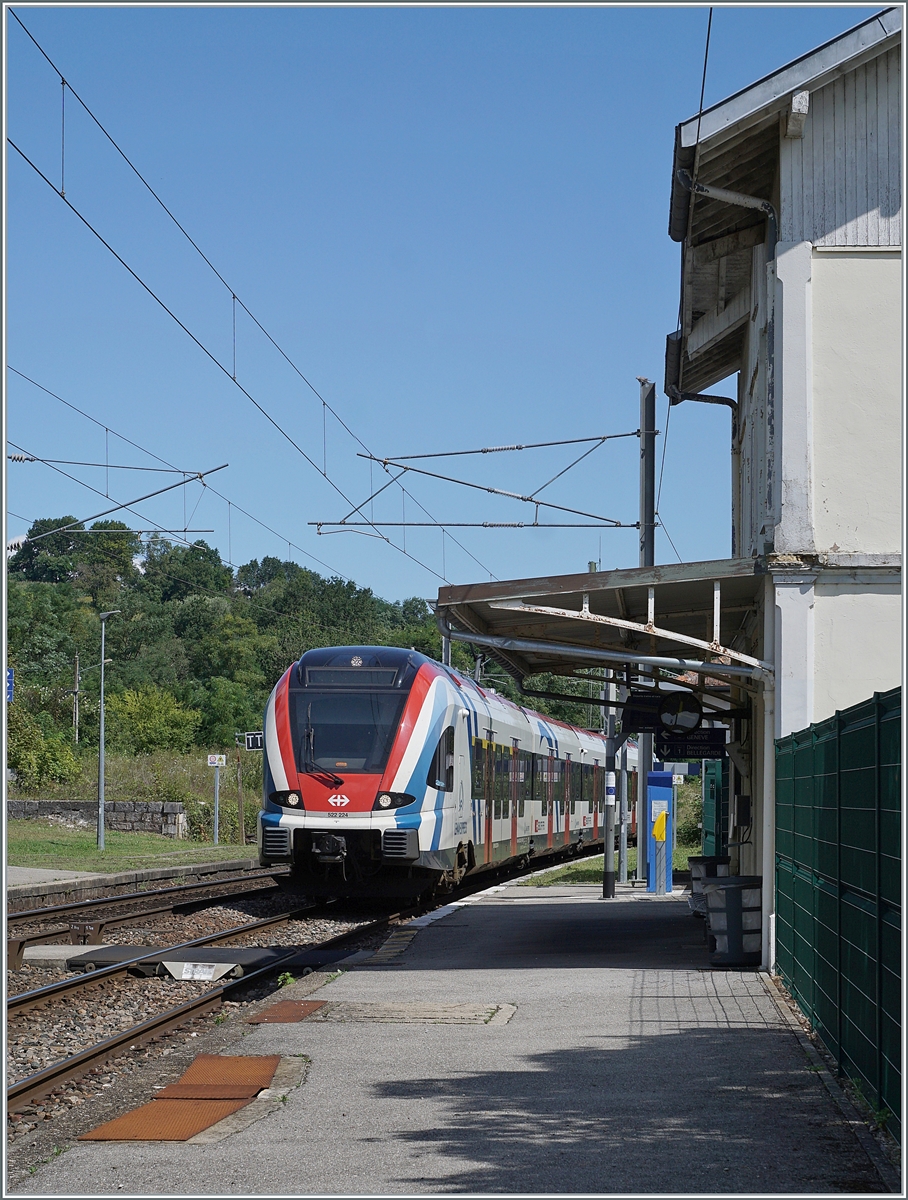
column 838, row 889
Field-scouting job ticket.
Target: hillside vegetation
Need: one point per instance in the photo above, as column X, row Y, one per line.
column 194, row 649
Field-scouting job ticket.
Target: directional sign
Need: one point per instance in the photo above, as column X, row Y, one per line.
column 217, row 760
column 10, row 676
column 697, row 743
column 255, row 741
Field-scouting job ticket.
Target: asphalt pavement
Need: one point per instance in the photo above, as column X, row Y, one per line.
column 528, row 1041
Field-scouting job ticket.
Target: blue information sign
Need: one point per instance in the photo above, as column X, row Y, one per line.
column 10, row 684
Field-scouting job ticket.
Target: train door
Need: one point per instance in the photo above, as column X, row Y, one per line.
column 502, row 802
column 571, row 778
column 591, row 777
column 514, row 790
column 551, row 764
column 524, row 800
column 482, row 834
column 461, row 797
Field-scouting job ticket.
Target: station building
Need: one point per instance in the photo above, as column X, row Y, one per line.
column 786, row 199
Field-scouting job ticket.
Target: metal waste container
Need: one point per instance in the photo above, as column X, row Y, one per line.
column 734, row 914
column 702, row 867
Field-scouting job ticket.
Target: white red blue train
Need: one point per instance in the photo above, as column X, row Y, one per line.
column 387, row 773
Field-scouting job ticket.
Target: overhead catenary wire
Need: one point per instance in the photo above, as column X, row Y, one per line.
column 609, row 522
column 211, row 356
column 157, row 457
column 235, row 299
column 138, row 500
column 505, row 449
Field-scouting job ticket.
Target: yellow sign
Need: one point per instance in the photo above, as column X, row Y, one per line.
column 659, row 826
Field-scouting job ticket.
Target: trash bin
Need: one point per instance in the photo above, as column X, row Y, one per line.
column 735, row 920
column 707, row 866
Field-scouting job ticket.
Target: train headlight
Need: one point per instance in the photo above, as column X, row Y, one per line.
column 386, row 800
column 287, row 799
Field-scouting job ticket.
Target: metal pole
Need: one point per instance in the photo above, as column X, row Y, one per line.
column 608, row 833
column 76, row 699
column 647, row 473
column 217, row 792
column 101, row 745
column 239, row 795
column 647, row 559
column 103, row 616
column 622, row 828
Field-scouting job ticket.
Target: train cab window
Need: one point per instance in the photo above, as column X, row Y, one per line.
column 541, row 784
column 556, row 769
column 441, row 768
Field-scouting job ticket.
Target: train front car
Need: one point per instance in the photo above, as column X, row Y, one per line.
column 359, row 772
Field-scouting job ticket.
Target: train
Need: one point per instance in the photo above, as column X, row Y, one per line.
column 387, row 773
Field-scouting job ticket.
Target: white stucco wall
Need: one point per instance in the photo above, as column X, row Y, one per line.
column 857, row 628
column 857, row 401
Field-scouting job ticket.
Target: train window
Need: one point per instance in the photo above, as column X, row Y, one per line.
column 589, row 773
column 524, row 780
column 556, row 769
column 441, row 768
column 541, row 784
column 478, row 768
column 600, row 788
column 502, row 783
column 572, row 783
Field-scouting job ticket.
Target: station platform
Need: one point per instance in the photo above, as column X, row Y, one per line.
column 526, row 1041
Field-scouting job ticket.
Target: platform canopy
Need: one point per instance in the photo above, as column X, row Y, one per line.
column 692, row 616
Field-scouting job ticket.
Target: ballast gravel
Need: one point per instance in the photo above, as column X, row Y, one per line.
column 42, row 1129
column 73, row 1022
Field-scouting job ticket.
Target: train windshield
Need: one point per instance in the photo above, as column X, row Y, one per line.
column 344, row 730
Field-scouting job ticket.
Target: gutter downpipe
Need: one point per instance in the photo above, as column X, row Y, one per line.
column 601, row 656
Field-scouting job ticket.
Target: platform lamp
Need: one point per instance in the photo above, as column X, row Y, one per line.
column 104, row 616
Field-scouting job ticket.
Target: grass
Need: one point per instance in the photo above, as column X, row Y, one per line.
column 589, row 870
column 58, row 847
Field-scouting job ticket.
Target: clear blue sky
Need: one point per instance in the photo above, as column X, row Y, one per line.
column 453, row 220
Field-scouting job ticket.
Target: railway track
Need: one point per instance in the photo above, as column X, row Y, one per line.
column 44, row 1081
column 87, row 920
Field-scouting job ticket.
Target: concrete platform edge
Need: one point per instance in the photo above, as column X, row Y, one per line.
column 26, row 891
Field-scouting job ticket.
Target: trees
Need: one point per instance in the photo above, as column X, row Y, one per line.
column 54, row 557
column 194, row 650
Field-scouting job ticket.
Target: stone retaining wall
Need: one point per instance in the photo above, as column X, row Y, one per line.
column 132, row 816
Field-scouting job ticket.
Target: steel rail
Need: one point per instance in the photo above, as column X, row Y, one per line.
column 73, row 905
column 24, row 1001
column 45, row 1080
column 91, row 932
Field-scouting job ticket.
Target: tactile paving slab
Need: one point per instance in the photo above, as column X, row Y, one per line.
column 165, row 1121
column 285, row 1012
column 213, row 1087
column 222, row 1077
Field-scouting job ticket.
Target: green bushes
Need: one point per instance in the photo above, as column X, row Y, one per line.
column 149, row 719
column 36, row 751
